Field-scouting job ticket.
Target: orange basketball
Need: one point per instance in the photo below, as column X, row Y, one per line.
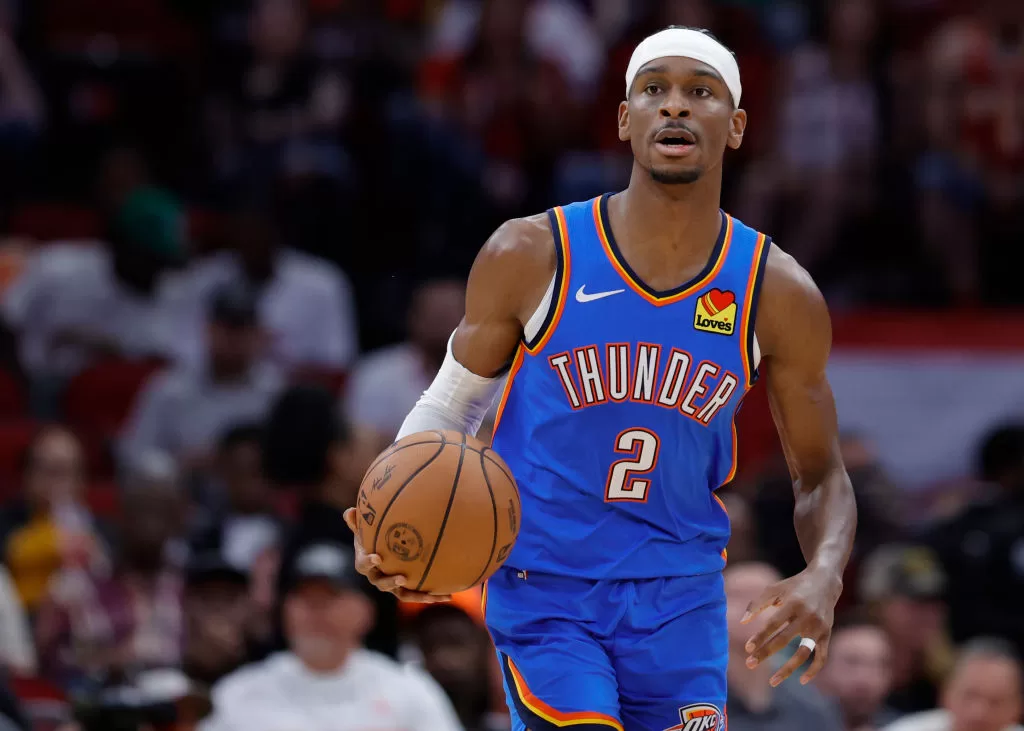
column 441, row 508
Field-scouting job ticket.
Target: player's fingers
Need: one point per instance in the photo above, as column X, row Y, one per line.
column 780, row 619
column 820, row 657
column 368, row 564
column 388, row 583
column 770, row 597
column 350, row 519
column 791, row 666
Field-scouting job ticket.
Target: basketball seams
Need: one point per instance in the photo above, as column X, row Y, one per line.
column 447, row 511
column 494, row 512
column 398, row 491
column 395, row 449
column 501, row 467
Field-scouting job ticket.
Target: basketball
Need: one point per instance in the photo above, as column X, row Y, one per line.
column 440, row 508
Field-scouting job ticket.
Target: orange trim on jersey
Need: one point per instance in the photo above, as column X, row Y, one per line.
column 549, row 714
column 563, row 243
column 748, row 367
column 483, row 602
column 517, row 363
column 602, row 232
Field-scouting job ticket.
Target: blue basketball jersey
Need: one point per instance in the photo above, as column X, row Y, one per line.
column 617, row 418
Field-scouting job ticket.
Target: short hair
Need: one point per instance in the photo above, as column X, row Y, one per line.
column 1002, row 449
column 303, row 425
column 240, row 434
column 990, row 648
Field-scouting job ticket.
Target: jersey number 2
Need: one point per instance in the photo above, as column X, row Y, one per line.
column 624, row 482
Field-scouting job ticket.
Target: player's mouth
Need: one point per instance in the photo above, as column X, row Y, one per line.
column 675, row 141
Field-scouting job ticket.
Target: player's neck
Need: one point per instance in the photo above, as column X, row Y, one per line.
column 692, row 210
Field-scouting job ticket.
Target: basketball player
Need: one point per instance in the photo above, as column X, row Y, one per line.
column 634, row 324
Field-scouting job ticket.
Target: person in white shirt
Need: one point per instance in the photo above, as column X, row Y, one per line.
column 326, row 681
column 985, row 692
column 305, row 304
column 184, row 411
column 79, row 300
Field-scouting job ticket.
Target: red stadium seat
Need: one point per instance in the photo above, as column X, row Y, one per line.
column 45, row 704
column 13, row 404
column 103, row 499
column 99, row 400
column 15, row 437
column 332, row 379
column 54, row 221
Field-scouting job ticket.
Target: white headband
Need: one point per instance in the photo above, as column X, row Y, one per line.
column 687, row 43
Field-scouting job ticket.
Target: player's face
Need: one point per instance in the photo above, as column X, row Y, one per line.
column 858, row 672
column 679, row 119
column 984, row 695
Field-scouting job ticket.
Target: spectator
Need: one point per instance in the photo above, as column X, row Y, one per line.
column 905, row 588
column 17, row 653
column 984, row 693
column 273, row 105
column 980, row 548
column 310, row 451
column 47, row 526
column 185, row 410
column 386, row 384
column 458, row 654
column 753, row 703
column 858, row 674
column 325, row 675
column 247, row 525
column 78, row 301
column 217, row 612
column 97, row 627
column 304, row 304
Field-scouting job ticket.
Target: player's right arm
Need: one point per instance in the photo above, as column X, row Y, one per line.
column 506, row 285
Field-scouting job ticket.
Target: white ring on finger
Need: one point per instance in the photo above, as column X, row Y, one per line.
column 808, row 643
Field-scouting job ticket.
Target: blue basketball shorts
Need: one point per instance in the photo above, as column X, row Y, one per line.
column 647, row 655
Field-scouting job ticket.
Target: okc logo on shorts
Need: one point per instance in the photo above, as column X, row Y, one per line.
column 699, row 717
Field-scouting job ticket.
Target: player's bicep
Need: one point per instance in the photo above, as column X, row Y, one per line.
column 509, row 276
column 800, row 335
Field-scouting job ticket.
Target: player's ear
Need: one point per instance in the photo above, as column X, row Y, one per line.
column 624, row 121
column 737, row 126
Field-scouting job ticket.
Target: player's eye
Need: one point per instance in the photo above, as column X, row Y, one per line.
column 702, row 92
column 652, row 89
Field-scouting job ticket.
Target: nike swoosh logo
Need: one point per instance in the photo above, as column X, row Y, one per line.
column 582, row 296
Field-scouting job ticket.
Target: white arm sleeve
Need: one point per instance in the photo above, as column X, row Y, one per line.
column 458, row 400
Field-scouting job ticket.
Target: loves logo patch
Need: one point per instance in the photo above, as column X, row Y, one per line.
column 716, row 312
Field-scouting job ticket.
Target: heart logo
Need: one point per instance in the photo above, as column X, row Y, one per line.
column 718, row 300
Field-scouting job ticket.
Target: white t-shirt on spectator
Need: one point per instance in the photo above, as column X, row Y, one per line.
column 71, row 286
column 183, row 412
column 370, row 693
column 307, row 309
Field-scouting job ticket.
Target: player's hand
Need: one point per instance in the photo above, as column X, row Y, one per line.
column 804, row 607
column 368, row 564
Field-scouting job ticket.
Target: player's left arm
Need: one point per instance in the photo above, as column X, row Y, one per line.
column 795, row 335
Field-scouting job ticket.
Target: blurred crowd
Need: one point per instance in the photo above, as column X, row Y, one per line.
column 233, row 243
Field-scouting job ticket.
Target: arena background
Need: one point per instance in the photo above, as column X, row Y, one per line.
column 203, row 204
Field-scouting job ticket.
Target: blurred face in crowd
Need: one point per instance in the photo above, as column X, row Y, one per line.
column 913, row 624
column 276, row 28
column 454, row 651
column 241, row 471
column 437, row 309
column 744, row 583
column 984, row 694
column 152, row 516
column 54, row 469
column 858, row 673
column 690, row 98
column 216, row 611
column 324, row 623
column 233, row 347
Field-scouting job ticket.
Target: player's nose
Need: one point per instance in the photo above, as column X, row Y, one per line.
column 675, row 104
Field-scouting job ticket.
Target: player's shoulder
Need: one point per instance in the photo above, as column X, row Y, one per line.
column 527, row 238
column 515, row 265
